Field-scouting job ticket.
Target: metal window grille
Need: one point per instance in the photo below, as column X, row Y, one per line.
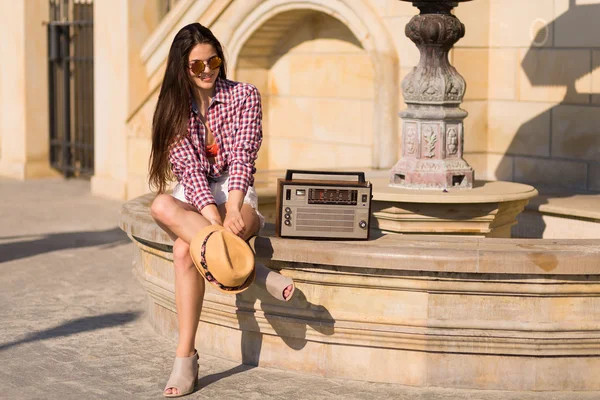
column 71, row 87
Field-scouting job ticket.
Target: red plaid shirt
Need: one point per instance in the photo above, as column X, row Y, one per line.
column 235, row 118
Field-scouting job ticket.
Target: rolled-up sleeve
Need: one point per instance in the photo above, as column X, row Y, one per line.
column 246, row 143
column 188, row 169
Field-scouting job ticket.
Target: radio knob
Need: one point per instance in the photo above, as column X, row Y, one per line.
column 287, row 222
column 288, row 210
column 287, row 216
column 362, row 224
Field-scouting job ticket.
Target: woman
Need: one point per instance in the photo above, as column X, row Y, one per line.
column 206, row 133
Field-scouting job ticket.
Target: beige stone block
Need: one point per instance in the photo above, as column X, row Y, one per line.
column 327, row 120
column 475, row 126
column 475, row 15
column 353, row 156
column 339, row 75
column 477, row 161
column 551, row 173
column 503, row 74
column 137, row 186
column 472, row 64
column 555, row 75
column 109, row 187
column 342, row 121
column 576, row 132
column 253, row 61
column 138, row 154
column 519, row 128
column 493, row 372
column 576, row 25
column 280, row 77
column 287, row 153
column 290, row 117
column 397, row 8
column 535, row 225
column 595, row 77
column 408, row 53
column 522, row 24
column 380, row 7
column 594, row 177
column 259, row 77
column 500, row 167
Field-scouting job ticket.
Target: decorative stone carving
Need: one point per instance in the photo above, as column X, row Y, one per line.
column 433, row 91
column 429, row 139
column 452, row 141
column 434, row 80
column 411, row 138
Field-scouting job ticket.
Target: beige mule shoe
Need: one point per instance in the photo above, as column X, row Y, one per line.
column 183, row 376
column 273, row 282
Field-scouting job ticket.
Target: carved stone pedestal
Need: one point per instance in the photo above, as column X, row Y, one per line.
column 432, row 125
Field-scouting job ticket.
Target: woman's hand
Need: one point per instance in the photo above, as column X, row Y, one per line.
column 234, row 222
column 211, row 213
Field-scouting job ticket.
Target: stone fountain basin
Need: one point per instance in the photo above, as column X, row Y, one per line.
column 463, row 312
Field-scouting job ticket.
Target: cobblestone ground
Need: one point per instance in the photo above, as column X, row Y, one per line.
column 72, row 323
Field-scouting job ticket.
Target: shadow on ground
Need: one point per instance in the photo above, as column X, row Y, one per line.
column 76, row 326
column 59, row 241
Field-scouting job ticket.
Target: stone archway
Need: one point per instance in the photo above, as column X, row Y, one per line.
column 267, row 30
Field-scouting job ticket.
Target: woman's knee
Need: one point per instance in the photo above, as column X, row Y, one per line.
column 163, row 208
column 181, row 256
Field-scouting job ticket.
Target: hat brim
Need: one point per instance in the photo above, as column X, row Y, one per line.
column 195, row 251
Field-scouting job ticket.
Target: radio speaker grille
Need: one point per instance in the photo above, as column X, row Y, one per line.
column 324, row 219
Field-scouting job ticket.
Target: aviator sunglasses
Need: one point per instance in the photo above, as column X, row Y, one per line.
column 198, row 66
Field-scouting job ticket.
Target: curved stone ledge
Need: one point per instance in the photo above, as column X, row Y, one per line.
column 431, row 311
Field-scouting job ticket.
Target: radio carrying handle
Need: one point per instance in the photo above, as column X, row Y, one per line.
column 290, row 172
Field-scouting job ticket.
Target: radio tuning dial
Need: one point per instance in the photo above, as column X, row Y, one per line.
column 362, row 224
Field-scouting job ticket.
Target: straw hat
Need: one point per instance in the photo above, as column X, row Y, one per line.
column 223, row 259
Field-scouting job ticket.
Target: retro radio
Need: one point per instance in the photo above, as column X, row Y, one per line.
column 318, row 204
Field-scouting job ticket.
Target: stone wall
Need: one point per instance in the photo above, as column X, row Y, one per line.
column 330, row 81
column 311, row 70
column 543, row 93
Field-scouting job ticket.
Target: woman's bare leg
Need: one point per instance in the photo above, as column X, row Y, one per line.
column 177, row 217
column 189, row 295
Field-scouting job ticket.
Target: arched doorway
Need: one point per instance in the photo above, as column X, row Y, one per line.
column 328, row 76
column 316, row 81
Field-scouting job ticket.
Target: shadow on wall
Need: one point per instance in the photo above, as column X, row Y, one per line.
column 292, row 331
column 570, row 130
column 557, row 149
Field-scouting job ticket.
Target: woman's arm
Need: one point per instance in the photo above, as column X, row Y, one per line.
column 192, row 176
column 246, row 144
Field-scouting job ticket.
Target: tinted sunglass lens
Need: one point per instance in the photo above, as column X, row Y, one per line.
column 197, row 67
column 215, row 62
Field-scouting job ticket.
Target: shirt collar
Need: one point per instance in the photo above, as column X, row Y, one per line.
column 222, row 94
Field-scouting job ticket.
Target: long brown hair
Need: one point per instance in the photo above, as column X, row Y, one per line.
column 172, row 109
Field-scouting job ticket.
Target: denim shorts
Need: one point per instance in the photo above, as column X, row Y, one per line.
column 220, row 191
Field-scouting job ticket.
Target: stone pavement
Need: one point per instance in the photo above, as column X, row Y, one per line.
column 72, row 326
